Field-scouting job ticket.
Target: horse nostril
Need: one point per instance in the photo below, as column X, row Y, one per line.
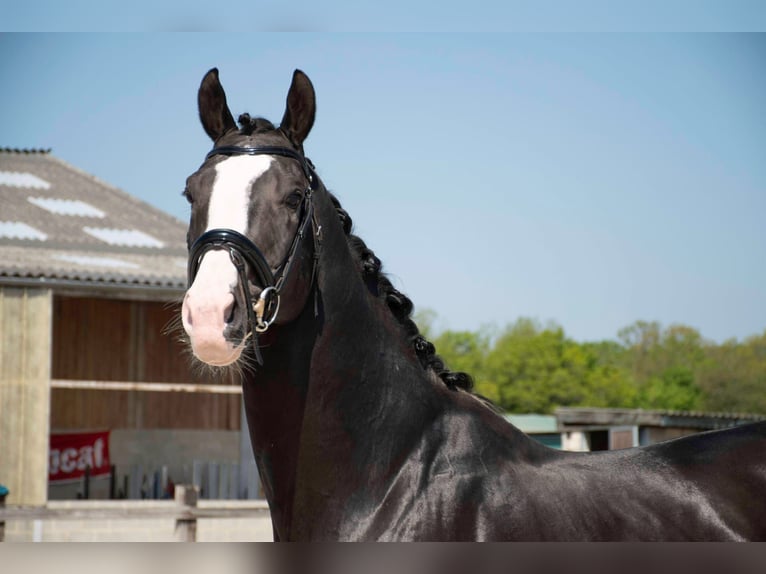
column 228, row 313
column 186, row 314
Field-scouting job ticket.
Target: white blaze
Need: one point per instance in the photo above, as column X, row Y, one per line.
column 228, row 207
column 230, row 197
column 209, row 297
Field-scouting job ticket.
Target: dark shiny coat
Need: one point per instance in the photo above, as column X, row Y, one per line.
column 357, row 442
column 356, row 438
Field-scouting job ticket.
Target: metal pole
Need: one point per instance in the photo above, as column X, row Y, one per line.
column 86, row 484
column 112, row 482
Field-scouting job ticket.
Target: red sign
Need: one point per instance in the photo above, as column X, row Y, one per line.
column 72, row 453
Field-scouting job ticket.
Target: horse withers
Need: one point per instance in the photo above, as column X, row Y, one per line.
column 359, row 430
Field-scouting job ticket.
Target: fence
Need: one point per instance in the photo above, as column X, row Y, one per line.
column 214, row 480
column 183, row 519
column 223, row 480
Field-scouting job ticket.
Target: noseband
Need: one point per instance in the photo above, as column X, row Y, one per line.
column 245, row 254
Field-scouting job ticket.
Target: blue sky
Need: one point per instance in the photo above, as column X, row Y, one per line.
column 389, row 16
column 589, row 179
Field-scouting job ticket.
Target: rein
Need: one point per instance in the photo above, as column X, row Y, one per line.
column 245, row 254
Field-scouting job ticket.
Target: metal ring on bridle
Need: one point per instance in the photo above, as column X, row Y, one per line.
column 262, row 306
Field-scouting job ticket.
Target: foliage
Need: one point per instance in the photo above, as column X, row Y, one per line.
column 733, row 378
column 534, row 369
column 530, row 367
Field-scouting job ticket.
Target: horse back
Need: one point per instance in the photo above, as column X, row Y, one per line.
column 728, row 469
column 707, row 486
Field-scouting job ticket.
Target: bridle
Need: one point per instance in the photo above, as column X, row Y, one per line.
column 245, row 254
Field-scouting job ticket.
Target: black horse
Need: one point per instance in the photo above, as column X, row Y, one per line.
column 358, row 429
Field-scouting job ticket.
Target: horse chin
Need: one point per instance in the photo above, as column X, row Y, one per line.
column 219, row 354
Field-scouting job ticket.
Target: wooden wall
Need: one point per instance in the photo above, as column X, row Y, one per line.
column 25, row 325
column 121, row 340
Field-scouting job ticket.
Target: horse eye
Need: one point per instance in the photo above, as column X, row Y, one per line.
column 293, row 200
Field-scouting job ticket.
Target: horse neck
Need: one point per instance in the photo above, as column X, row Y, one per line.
column 362, row 364
column 353, row 396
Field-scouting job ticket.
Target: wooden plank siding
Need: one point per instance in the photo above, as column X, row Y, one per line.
column 121, row 340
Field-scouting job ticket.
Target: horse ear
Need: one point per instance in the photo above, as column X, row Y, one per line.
column 213, row 111
column 301, row 107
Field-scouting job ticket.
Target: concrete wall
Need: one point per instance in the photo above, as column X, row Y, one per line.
column 254, row 528
column 175, row 448
column 574, row 440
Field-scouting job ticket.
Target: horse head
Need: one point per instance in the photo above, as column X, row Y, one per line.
column 252, row 235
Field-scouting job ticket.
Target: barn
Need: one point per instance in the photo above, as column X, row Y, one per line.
column 592, row 429
column 97, row 396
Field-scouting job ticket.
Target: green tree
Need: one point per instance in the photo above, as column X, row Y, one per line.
column 530, row 367
column 522, row 367
column 536, row 369
column 610, row 387
column 674, row 390
column 733, row 379
column 664, row 363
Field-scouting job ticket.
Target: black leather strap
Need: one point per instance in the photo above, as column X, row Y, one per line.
column 266, row 150
column 227, row 239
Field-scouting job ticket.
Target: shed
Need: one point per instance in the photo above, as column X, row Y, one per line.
column 542, row 428
column 585, row 428
column 91, row 279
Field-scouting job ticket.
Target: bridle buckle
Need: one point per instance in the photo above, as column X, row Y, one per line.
column 268, row 299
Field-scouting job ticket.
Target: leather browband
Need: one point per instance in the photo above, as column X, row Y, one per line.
column 265, row 150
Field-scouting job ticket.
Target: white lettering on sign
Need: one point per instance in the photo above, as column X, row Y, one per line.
column 69, row 460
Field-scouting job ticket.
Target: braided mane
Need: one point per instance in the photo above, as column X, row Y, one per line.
column 379, row 285
column 399, row 304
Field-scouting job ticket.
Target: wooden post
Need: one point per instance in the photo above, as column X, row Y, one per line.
column 25, row 372
column 186, row 527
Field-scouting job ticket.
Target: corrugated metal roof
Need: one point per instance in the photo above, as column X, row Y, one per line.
column 587, row 416
column 60, row 223
column 18, row 230
column 533, row 423
column 67, row 206
column 22, row 179
column 126, row 237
